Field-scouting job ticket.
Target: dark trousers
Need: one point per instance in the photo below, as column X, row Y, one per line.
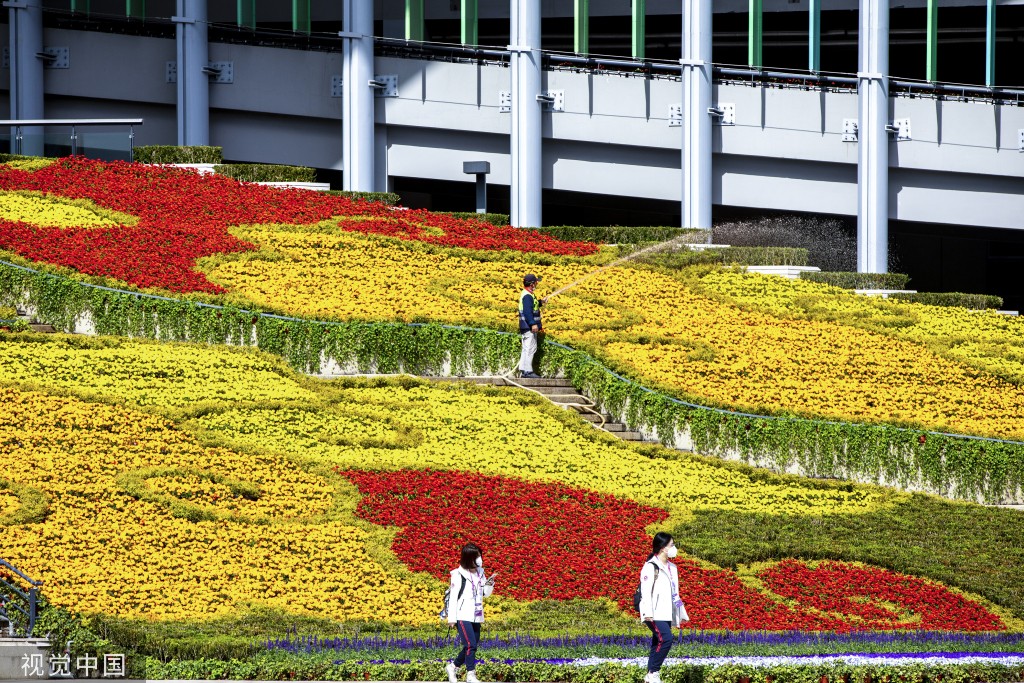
column 469, row 636
column 661, row 643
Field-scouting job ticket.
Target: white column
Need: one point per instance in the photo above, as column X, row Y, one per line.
column 873, row 152
column 26, row 22
column 696, row 162
column 193, row 83
column 526, row 149
column 357, row 96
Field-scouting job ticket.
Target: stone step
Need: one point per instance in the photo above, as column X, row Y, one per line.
column 566, row 388
column 42, row 327
column 542, row 382
column 560, row 392
column 562, row 399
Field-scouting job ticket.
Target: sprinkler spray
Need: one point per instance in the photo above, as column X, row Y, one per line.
column 660, row 246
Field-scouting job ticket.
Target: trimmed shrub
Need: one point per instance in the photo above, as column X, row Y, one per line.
column 744, row 256
column 172, row 154
column 492, row 218
column 975, row 301
column 5, row 158
column 389, row 198
column 614, row 234
column 267, row 173
column 847, row 280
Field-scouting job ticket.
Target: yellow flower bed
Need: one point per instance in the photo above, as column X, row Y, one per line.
column 486, row 434
column 39, row 209
column 29, row 164
column 171, row 375
column 983, row 339
column 103, row 550
column 391, row 280
column 650, row 324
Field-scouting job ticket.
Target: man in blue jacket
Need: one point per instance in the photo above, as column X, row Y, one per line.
column 529, row 325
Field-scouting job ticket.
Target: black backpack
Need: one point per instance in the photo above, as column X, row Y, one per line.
column 636, row 594
column 447, row 594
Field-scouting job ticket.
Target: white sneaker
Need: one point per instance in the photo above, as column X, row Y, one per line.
column 471, row 677
column 452, row 675
column 654, row 677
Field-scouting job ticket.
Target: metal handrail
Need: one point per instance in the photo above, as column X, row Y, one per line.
column 19, row 124
column 71, row 122
column 30, row 598
column 670, row 69
column 508, row 377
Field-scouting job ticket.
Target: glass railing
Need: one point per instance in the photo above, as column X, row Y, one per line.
column 92, row 138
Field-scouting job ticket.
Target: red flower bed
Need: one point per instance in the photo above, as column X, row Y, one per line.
column 184, row 216
column 862, row 595
column 549, row 541
column 545, row 540
column 554, row 541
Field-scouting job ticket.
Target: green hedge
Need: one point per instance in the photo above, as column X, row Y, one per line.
column 267, row 173
column 492, row 218
column 4, row 158
column 172, row 154
column 951, row 465
column 847, row 280
column 389, row 198
column 975, row 301
column 614, row 234
column 744, row 256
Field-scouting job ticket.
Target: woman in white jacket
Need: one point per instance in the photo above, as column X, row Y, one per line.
column 466, row 609
column 660, row 605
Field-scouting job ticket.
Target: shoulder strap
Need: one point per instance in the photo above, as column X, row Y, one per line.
column 461, row 588
column 657, row 570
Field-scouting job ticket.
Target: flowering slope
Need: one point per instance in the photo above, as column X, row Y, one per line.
column 183, row 216
column 235, row 502
column 651, row 324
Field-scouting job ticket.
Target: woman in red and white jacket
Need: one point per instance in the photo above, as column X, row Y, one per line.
column 466, row 609
column 660, row 605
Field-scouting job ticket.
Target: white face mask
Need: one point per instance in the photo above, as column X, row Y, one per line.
column 673, row 551
column 479, row 561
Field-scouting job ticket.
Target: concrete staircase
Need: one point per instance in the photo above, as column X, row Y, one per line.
column 561, row 392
